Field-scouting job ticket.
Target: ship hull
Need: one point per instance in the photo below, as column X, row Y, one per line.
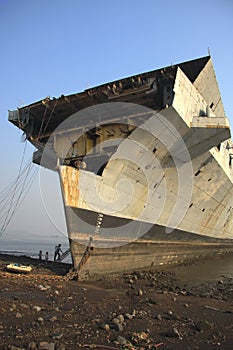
column 153, row 249
column 142, row 255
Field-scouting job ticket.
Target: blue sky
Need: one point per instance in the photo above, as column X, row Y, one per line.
column 55, row 47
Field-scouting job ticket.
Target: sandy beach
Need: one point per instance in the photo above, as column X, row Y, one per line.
column 137, row 310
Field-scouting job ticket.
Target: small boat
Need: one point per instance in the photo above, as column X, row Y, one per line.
column 16, row 267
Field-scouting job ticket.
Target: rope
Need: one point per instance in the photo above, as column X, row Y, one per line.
column 50, row 116
column 13, row 195
column 11, row 212
column 42, row 122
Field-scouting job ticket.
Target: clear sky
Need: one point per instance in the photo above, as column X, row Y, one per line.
column 54, row 47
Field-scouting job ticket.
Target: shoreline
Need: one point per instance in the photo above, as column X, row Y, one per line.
column 136, row 310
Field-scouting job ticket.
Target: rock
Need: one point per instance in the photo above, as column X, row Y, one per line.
column 120, row 318
column 159, row 317
column 115, row 321
column 139, row 336
column 128, row 316
column 173, row 334
column 140, row 292
column 176, row 333
column 186, row 305
column 57, row 336
column 183, row 292
column 53, row 319
column 37, row 308
column 56, row 292
column 32, row 346
column 40, row 319
column 61, row 347
column 46, row 346
column 41, row 287
column 119, row 327
column 142, row 313
column 18, row 315
column 105, row 327
column 117, row 324
column 121, row 340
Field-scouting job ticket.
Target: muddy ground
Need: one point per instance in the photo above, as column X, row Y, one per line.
column 138, row 310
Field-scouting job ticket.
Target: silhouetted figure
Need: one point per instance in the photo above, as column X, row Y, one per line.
column 40, row 255
column 46, row 257
column 57, row 253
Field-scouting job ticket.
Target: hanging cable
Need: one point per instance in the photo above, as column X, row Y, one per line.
column 19, row 200
column 42, row 122
column 12, row 196
column 50, row 116
column 6, row 192
column 13, row 206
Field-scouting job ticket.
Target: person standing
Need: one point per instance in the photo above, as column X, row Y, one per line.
column 46, row 257
column 57, row 253
column 40, row 255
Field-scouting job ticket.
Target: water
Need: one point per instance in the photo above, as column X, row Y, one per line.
column 30, row 246
column 209, row 270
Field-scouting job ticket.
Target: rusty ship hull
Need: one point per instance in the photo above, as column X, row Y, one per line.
column 144, row 165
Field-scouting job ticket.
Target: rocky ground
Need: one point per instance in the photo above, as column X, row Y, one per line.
column 140, row 310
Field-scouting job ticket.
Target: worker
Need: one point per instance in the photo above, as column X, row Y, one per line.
column 57, row 253
column 40, row 255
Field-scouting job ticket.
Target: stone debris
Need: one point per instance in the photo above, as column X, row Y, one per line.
column 121, row 340
column 128, row 316
column 113, row 313
column 118, row 325
column 61, row 347
column 121, row 318
column 43, row 345
column 46, row 346
column 57, row 336
column 105, row 327
column 176, row 333
column 37, row 308
column 140, row 292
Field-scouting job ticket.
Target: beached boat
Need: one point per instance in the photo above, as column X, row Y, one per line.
column 19, row 268
column 145, row 165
